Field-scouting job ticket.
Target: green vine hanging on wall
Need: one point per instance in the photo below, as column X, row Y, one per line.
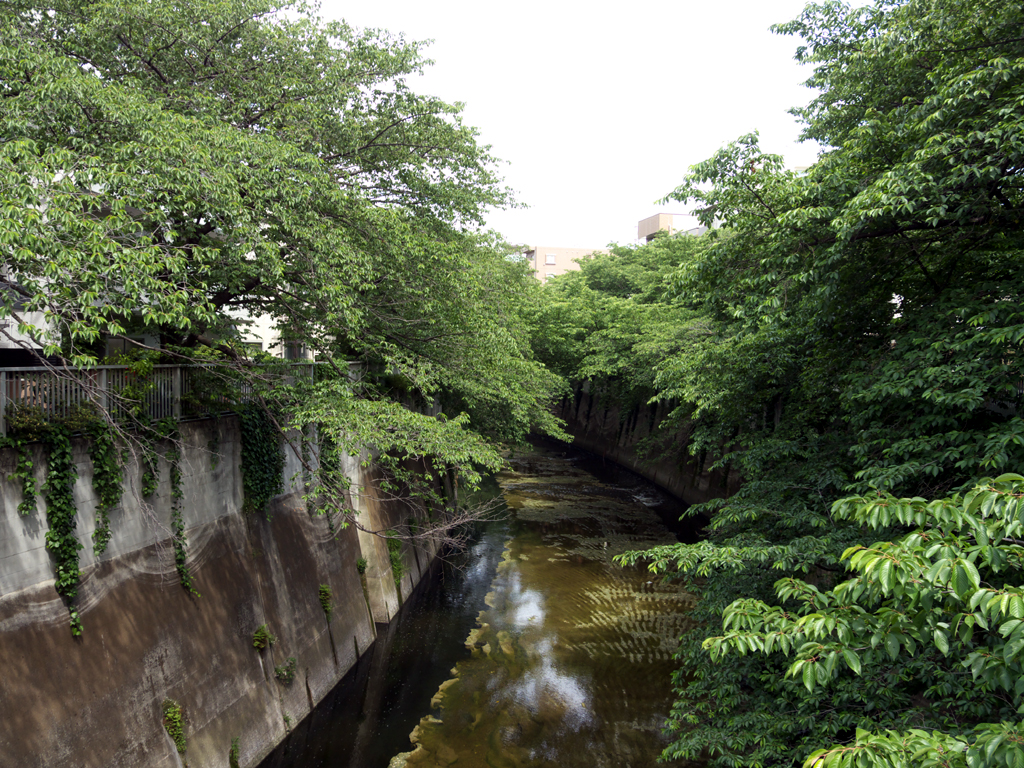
column 29, row 424
column 32, row 423
column 330, row 476
column 178, row 537
column 262, row 459
column 24, row 472
column 107, row 477
column 60, row 516
column 139, row 384
column 149, row 459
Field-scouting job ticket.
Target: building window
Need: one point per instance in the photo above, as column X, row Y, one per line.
column 549, row 275
column 294, row 350
column 550, row 259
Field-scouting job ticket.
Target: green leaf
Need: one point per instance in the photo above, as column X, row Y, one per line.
column 809, row 676
column 892, row 646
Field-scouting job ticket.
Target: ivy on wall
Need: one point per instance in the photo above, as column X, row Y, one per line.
column 149, row 460
column 60, row 516
column 330, row 475
column 262, row 458
column 178, row 538
column 23, row 472
column 262, row 469
column 107, row 481
column 167, row 429
column 29, row 424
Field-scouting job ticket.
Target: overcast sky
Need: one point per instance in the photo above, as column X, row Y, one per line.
column 600, row 113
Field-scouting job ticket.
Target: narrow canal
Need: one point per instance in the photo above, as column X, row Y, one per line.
column 533, row 649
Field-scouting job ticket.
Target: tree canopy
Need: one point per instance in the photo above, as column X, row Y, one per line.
column 176, row 169
column 855, row 329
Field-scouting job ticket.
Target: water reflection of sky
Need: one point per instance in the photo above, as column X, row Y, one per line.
column 480, row 568
column 545, row 688
column 529, row 610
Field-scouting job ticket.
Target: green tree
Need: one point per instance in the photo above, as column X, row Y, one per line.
column 928, row 597
column 865, row 337
column 177, row 169
column 610, row 321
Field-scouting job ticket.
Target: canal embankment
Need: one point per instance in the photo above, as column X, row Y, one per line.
column 101, row 699
column 639, row 439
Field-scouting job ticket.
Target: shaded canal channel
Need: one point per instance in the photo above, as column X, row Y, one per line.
column 531, row 649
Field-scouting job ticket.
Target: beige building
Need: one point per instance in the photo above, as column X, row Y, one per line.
column 659, row 222
column 548, row 261
column 667, row 222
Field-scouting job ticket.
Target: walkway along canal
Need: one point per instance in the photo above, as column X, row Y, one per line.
column 536, row 650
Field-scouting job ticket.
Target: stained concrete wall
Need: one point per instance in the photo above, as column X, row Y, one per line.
column 96, row 700
column 636, row 439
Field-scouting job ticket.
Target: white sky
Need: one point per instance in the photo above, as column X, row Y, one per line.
column 600, row 113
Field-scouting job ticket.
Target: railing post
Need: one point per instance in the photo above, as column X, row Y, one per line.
column 3, row 403
column 176, row 392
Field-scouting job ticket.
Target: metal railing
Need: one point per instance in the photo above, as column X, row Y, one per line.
column 168, row 391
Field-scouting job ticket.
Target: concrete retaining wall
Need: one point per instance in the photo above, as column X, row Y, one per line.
column 96, row 701
column 634, row 440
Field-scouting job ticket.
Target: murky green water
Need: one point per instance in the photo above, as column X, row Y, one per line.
column 570, row 661
column 568, row 658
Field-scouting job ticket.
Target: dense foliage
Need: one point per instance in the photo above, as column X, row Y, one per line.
column 175, row 170
column 856, row 329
